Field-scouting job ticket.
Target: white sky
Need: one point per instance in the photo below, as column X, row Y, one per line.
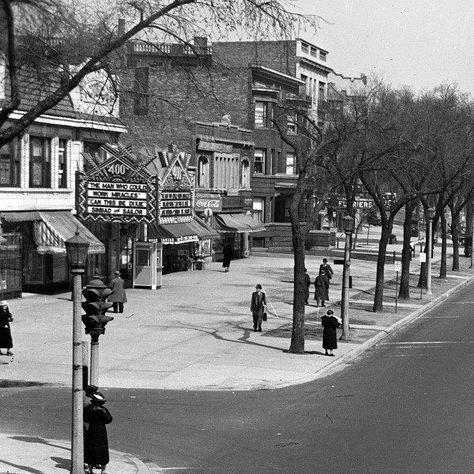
column 419, row 43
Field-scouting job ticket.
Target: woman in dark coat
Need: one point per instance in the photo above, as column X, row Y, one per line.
column 96, row 445
column 330, row 323
column 321, row 289
column 228, row 255
column 6, row 318
column 118, row 297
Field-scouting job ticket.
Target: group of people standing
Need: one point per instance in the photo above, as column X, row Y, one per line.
column 321, row 283
column 329, row 322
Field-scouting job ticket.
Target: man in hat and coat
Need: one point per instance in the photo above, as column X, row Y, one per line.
column 118, row 297
column 257, row 307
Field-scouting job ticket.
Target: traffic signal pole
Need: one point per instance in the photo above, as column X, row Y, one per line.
column 77, row 446
column 95, row 320
column 94, row 366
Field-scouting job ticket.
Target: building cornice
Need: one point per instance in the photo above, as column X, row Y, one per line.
column 73, row 122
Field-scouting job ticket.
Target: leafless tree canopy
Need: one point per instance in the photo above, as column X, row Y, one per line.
column 63, row 41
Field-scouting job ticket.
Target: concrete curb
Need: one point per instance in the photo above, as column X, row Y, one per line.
column 407, row 320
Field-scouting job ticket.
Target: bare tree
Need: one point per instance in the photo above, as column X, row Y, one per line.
column 57, row 43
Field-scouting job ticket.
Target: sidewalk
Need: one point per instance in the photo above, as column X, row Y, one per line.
column 196, row 333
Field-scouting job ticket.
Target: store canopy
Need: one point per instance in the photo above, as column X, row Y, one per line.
column 183, row 232
column 52, row 228
column 238, row 222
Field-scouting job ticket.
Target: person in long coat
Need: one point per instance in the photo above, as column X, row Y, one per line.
column 96, row 444
column 228, row 255
column 257, row 307
column 326, row 268
column 330, row 323
column 6, row 341
column 118, row 297
column 321, row 289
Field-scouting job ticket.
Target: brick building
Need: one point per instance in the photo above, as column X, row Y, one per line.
column 178, row 93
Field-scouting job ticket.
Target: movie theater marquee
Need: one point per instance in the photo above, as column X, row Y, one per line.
column 117, row 191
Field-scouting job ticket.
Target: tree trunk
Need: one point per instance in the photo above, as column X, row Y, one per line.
column 404, row 292
column 422, row 282
column 455, row 237
column 299, row 286
column 444, row 248
column 379, row 282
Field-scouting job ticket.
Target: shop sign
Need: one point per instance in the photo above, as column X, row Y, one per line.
column 117, row 190
column 176, row 194
column 213, row 146
column 208, row 202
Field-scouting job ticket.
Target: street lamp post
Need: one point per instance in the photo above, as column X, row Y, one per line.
column 77, row 248
column 429, row 238
column 348, row 225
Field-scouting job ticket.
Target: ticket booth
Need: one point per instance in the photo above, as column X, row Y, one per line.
column 147, row 268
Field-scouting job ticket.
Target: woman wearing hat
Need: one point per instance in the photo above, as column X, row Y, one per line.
column 257, row 306
column 118, row 297
column 6, row 318
column 96, row 444
column 330, row 323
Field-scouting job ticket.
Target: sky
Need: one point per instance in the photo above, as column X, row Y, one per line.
column 415, row 43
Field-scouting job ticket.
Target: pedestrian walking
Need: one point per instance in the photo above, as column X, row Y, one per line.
column 96, row 444
column 258, row 307
column 330, row 323
column 118, row 297
column 326, row 268
column 307, row 281
column 321, row 289
column 6, row 341
column 228, row 256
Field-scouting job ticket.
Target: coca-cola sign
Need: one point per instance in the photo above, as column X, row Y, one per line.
column 202, row 203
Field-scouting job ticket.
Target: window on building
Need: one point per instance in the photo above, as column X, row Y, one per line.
column 259, row 160
column 321, row 91
column 62, row 164
column 258, row 209
column 263, row 114
column 323, row 55
column 305, row 47
column 245, row 176
column 203, row 172
column 292, row 124
column 290, row 163
column 40, row 162
column 306, row 87
column 141, row 85
column 9, row 165
column 314, row 51
column 226, row 173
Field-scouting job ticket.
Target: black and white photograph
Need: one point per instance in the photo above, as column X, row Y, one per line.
column 236, row 236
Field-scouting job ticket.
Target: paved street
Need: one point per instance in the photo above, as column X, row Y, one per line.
column 180, row 338
column 402, row 408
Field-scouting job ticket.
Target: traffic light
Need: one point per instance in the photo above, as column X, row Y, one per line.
column 95, row 306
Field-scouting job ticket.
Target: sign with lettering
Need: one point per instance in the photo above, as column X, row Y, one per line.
column 208, row 202
column 176, row 193
column 213, row 146
column 117, row 190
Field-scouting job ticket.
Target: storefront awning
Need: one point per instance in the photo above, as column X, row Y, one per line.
column 183, row 232
column 52, row 228
column 238, row 222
